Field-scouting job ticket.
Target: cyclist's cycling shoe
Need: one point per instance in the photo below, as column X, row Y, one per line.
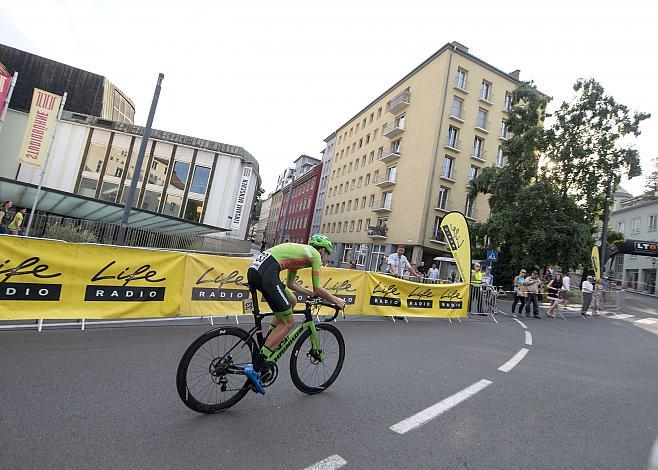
column 254, row 378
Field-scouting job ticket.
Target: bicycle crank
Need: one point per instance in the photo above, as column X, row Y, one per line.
column 268, row 374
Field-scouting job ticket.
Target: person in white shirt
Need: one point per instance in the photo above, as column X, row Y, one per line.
column 587, row 289
column 433, row 272
column 398, row 263
column 566, row 285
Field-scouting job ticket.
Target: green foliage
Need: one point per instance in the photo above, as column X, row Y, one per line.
column 532, row 224
column 70, row 233
column 615, row 237
column 585, row 146
column 651, row 185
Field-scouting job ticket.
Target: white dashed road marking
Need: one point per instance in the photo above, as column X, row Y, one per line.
column 521, row 323
column 441, row 407
column 528, row 338
column 330, row 463
column 622, row 316
column 518, row 357
column 647, row 321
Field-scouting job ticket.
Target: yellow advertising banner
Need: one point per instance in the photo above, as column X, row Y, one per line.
column 596, row 261
column 391, row 296
column 40, row 126
column 214, row 285
column 457, row 236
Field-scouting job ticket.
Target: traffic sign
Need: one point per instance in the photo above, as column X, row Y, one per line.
column 492, row 255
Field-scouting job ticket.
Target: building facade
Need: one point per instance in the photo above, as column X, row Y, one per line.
column 302, row 204
column 88, row 93
column 637, row 219
column 327, row 156
column 406, row 159
column 272, row 225
column 263, row 219
column 183, row 177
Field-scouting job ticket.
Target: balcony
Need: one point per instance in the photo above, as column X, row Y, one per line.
column 384, row 181
column 453, row 144
column 382, row 207
column 480, row 156
column 391, row 154
column 378, row 232
column 400, row 102
column 482, row 125
column 443, row 205
column 393, row 130
column 503, row 133
column 448, row 174
column 458, row 115
column 486, row 98
column 461, row 85
column 438, row 237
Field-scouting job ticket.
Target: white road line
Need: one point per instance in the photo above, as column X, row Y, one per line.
column 441, row 407
column 330, row 463
column 622, row 316
column 528, row 338
column 647, row 321
column 521, row 323
column 518, row 357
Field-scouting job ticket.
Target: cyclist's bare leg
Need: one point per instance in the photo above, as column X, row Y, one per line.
column 283, row 327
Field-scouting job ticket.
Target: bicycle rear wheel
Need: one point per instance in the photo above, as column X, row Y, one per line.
column 210, row 377
column 309, row 373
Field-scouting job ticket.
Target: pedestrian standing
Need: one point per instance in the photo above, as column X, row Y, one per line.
column 533, row 285
column 587, row 288
column 566, row 287
column 433, row 273
column 554, row 288
column 5, row 217
column 398, row 263
column 518, row 298
column 597, row 297
column 16, row 224
column 476, row 287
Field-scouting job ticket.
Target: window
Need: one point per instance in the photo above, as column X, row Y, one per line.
column 437, row 233
column 342, row 206
column 379, row 112
column 179, row 176
column 193, row 210
column 482, row 121
column 508, row 101
column 485, row 90
column 652, row 223
column 200, row 179
column 478, row 145
column 457, row 107
column 374, row 134
column 473, row 173
column 363, row 124
column 340, row 189
column 349, row 168
column 500, row 158
column 372, row 200
column 387, row 199
column 349, row 205
column 503, row 129
column 352, row 185
column 367, row 180
column 109, row 191
column 635, row 225
column 368, row 139
column 620, row 226
column 453, row 134
column 99, row 165
column 118, row 172
column 443, row 197
column 356, row 164
column 357, row 127
column 359, row 225
column 367, row 227
column 391, row 173
column 399, row 122
column 340, row 224
column 460, row 79
column 468, row 208
column 395, row 146
column 352, row 226
column 363, row 202
column 372, row 116
column 380, row 152
column 351, row 130
column 333, row 227
column 361, row 142
column 448, row 164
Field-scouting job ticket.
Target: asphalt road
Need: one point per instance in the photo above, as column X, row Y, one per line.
column 585, row 396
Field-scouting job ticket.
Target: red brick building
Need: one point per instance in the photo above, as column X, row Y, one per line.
column 300, row 216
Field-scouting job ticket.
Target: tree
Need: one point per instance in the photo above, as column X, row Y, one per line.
column 651, row 186
column 585, row 148
column 531, row 224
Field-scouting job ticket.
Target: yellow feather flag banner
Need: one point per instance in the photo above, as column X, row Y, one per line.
column 596, row 262
column 40, row 127
column 457, row 236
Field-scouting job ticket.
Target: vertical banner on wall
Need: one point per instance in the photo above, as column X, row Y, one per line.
column 242, row 197
column 457, row 236
column 39, row 129
column 596, row 262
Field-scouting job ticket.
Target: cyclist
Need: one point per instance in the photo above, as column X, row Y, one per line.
column 263, row 275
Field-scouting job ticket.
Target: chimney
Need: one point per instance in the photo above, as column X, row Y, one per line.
column 459, row 46
column 515, row 75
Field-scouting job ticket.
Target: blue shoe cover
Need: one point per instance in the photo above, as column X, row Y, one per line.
column 254, row 377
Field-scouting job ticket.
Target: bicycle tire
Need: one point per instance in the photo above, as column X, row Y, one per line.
column 208, row 365
column 302, row 349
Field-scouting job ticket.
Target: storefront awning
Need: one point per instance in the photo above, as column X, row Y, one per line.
column 62, row 203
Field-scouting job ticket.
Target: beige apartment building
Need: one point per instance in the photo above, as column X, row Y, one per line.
column 405, row 160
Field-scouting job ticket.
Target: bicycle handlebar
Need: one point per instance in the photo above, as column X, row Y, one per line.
column 324, row 303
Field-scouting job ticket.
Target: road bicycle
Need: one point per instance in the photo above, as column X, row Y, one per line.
column 211, row 377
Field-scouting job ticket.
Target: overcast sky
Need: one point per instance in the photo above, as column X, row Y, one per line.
column 279, row 77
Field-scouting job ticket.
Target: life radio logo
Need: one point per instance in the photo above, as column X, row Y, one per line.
column 28, row 279
column 211, row 286
column 385, row 295
column 420, row 297
column 451, row 299
column 343, row 290
column 121, row 289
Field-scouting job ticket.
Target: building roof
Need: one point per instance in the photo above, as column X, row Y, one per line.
column 162, row 135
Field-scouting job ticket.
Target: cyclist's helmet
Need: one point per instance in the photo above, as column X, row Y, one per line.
column 321, row 241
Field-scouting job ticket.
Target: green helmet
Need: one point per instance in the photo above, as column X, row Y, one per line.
column 321, row 241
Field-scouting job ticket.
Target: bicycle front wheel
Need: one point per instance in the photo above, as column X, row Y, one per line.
column 210, row 375
column 312, row 370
